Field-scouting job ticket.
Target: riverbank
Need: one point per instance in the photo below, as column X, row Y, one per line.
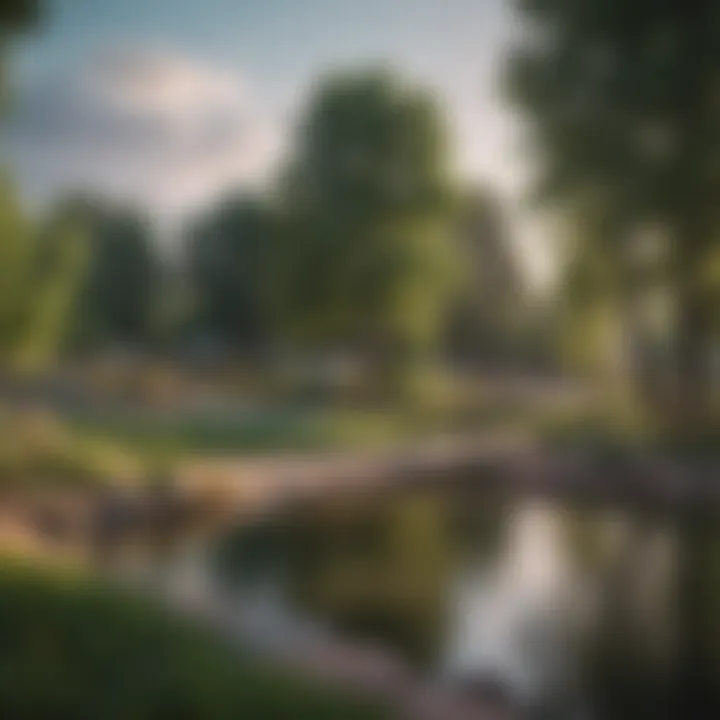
column 216, row 491
column 205, row 496
column 75, row 647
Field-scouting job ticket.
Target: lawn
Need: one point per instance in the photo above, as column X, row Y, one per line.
column 264, row 431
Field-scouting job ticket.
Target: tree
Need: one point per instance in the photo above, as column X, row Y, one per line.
column 229, row 256
column 117, row 300
column 486, row 314
column 39, row 275
column 366, row 260
column 38, row 270
column 16, row 17
column 621, row 99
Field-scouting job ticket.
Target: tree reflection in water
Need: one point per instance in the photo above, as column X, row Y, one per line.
column 568, row 608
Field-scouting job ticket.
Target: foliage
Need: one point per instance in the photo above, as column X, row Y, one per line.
column 621, row 105
column 72, row 648
column 16, row 16
column 19, row 15
column 365, row 260
column 486, row 313
column 39, row 275
column 120, row 288
column 35, row 449
column 36, row 283
column 230, row 254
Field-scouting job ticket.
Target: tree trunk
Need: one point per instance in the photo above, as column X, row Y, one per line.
column 693, row 381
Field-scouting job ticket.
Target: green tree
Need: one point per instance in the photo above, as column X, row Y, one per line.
column 229, row 262
column 621, row 98
column 487, row 313
column 366, row 260
column 39, row 275
column 16, row 17
column 39, row 267
column 117, row 300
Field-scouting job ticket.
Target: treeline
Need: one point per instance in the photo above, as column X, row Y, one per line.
column 367, row 243
column 366, row 246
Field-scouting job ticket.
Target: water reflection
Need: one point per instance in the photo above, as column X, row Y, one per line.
column 570, row 609
column 515, row 617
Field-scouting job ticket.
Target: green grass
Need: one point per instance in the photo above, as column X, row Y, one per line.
column 612, row 430
column 37, row 449
column 269, row 430
column 71, row 648
column 284, row 425
column 111, row 444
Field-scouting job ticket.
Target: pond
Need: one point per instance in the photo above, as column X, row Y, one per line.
column 573, row 610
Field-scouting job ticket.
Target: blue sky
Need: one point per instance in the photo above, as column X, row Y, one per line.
column 284, row 42
column 250, row 60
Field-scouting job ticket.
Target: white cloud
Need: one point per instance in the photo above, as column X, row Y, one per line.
column 143, row 125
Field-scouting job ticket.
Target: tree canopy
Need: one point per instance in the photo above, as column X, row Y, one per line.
column 229, row 263
column 119, row 289
column 488, row 309
column 39, row 274
column 16, row 16
column 366, row 259
column 621, row 102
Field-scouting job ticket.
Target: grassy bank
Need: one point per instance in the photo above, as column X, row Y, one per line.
column 39, row 449
column 265, row 430
column 74, row 649
column 277, row 426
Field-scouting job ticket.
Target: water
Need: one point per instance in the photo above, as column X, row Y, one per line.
column 573, row 611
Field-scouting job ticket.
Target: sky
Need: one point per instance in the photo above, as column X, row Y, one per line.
column 170, row 102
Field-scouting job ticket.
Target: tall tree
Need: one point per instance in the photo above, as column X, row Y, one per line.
column 229, row 257
column 117, row 300
column 40, row 270
column 16, row 17
column 622, row 99
column 488, row 310
column 367, row 261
